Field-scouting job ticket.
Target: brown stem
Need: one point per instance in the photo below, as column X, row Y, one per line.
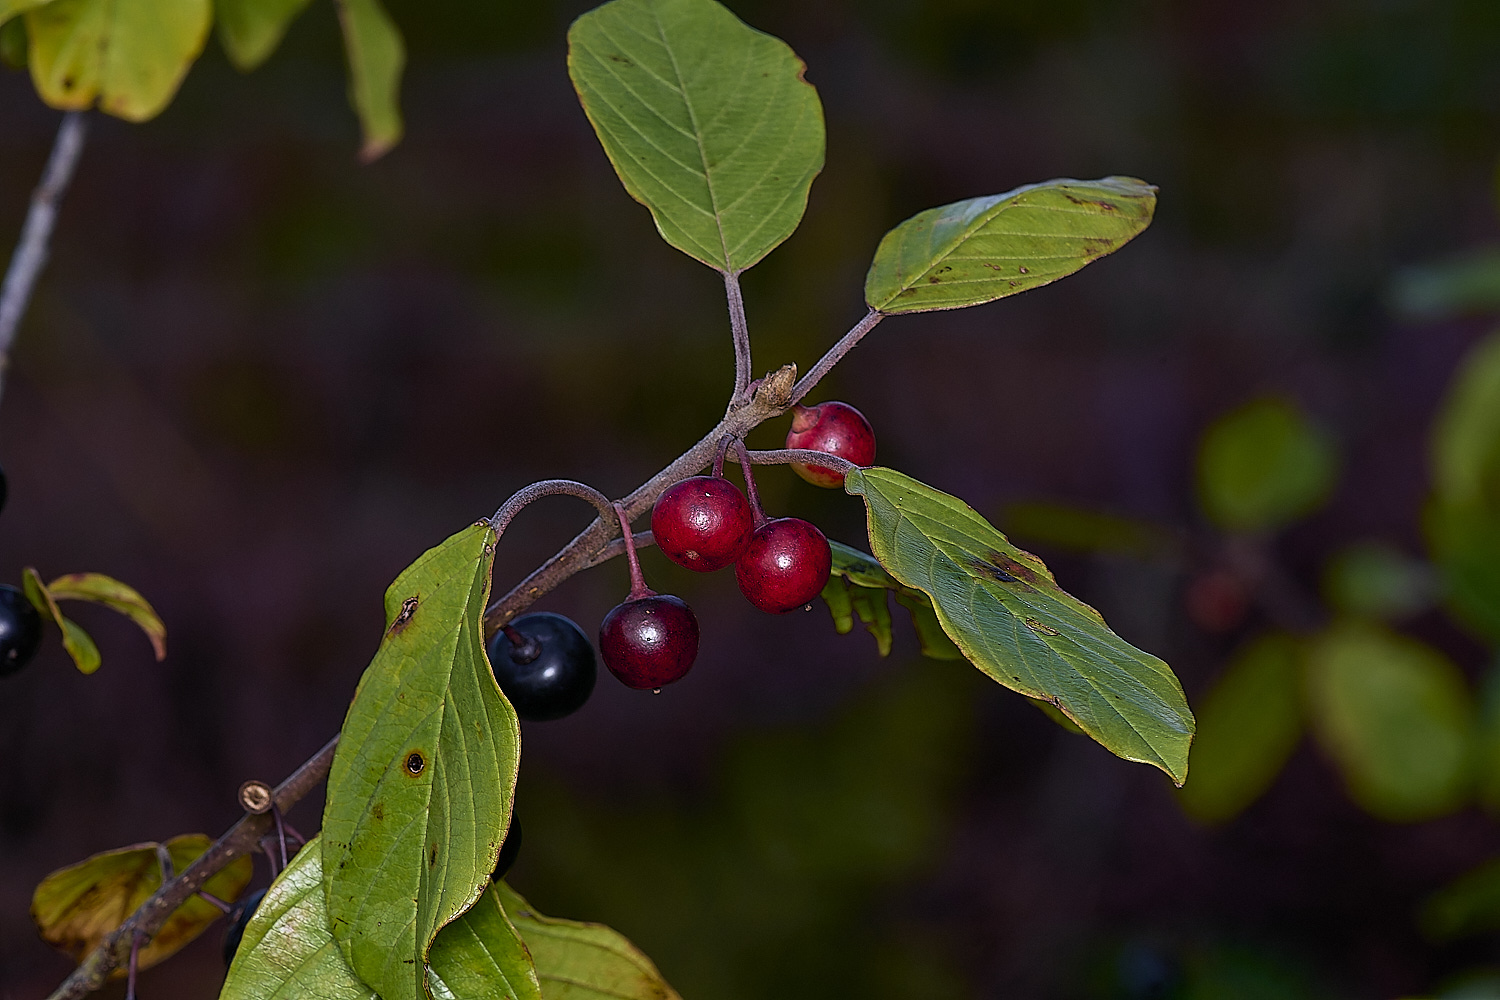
column 148, row 918
column 808, row 456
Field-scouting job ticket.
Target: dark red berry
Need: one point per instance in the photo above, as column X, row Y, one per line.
column 238, row 918
column 649, row 641
column 835, row 428
column 545, row 666
column 703, row 523
column 785, row 566
column 20, row 630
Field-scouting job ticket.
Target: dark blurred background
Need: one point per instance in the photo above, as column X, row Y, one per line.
column 258, row 379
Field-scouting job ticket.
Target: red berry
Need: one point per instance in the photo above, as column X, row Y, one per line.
column 785, row 566
column 836, row 428
column 703, row 523
column 649, row 641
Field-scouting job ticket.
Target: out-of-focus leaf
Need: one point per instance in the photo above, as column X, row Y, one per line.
column 116, row 596
column 77, row 907
column 10, row 8
column 1396, row 716
column 376, row 54
column 983, row 249
column 1010, row 619
column 1487, row 764
column 13, row 43
column 250, row 30
column 288, row 950
column 423, row 781
column 581, row 961
column 1079, row 529
column 1466, row 435
column 1376, row 580
column 128, row 55
column 1263, row 465
column 857, row 585
column 1248, row 726
column 76, row 641
column 708, row 122
column 1465, row 285
column 1468, row 905
column 1464, row 540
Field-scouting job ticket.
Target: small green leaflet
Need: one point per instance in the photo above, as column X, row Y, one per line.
column 250, row 30
column 1263, row 465
column 98, row 589
column 976, row 251
column 288, row 950
column 578, row 961
column 129, row 55
column 1010, row 619
column 857, row 586
column 376, row 56
column 708, row 122
column 420, row 793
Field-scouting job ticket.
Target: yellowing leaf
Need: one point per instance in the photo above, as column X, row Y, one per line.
column 78, row 643
column 101, row 589
column 376, row 56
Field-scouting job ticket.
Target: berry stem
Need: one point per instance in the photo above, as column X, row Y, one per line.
column 740, row 331
column 136, row 940
column 527, row 648
column 835, row 354
column 638, row 588
column 719, row 458
column 786, row 456
column 209, row 897
column 750, row 491
column 548, row 488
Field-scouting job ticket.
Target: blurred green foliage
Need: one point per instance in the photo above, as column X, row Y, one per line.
column 1263, row 465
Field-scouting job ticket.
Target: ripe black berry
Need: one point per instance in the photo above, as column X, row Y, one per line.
column 20, row 630
column 836, row 429
column 238, row 918
column 509, row 850
column 702, row 523
column 785, row 566
column 649, row 641
column 545, row 666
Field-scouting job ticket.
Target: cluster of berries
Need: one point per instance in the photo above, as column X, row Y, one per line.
column 20, row 625
column 544, row 662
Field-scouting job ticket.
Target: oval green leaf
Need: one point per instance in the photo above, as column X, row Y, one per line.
column 857, row 585
column 983, row 249
column 1264, row 465
column 376, row 54
column 1464, row 540
column 76, row 907
column 11, row 8
column 288, row 950
column 250, row 30
column 129, row 55
column 105, row 590
column 421, row 788
column 581, row 961
column 1466, row 436
column 707, row 121
column 1396, row 716
column 1008, row 616
column 1247, row 728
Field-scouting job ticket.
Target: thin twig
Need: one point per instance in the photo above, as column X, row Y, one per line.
column 548, row 488
column 148, row 918
column 31, row 249
column 836, row 354
column 807, row 456
column 740, row 331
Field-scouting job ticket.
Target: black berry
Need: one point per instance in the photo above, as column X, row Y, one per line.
column 238, row 918
column 545, row 666
column 20, row 630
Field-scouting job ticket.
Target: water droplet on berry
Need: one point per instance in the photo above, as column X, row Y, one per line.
column 656, row 690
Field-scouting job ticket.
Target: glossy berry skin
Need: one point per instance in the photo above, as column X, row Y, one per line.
column 20, row 630
column 702, row 523
column 558, row 680
column 238, row 918
column 649, row 641
column 835, row 428
column 510, row 850
column 786, row 565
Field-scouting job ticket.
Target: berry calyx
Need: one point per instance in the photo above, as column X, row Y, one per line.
column 785, row 566
column 20, row 630
column 649, row 639
column 239, row 917
column 702, row 523
column 833, row 428
column 545, row 666
column 510, row 849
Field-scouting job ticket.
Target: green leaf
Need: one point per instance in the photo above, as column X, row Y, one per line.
column 1466, row 436
column 857, row 584
column 78, row 643
column 579, row 961
column 1247, row 728
column 1466, row 285
column 1464, row 540
column 129, row 55
column 1263, row 465
column 75, row 908
column 1376, row 580
column 420, row 793
column 13, row 43
column 376, row 55
column 250, row 30
column 101, row 589
column 1468, row 905
column 1396, row 716
column 289, row 951
column 983, row 249
column 1010, row 619
column 10, row 8
column 708, row 122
